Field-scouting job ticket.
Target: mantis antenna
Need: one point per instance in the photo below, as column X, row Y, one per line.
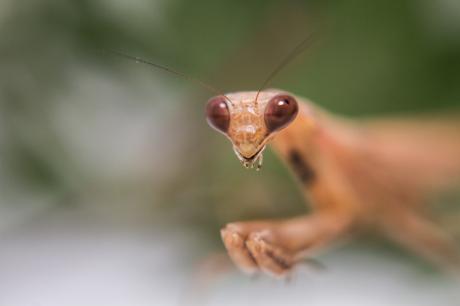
column 172, row 71
column 293, row 54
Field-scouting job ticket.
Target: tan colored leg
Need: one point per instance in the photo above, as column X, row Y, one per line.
column 274, row 247
column 424, row 238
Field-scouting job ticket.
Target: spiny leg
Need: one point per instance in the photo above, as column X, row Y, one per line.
column 234, row 242
column 271, row 259
column 274, row 247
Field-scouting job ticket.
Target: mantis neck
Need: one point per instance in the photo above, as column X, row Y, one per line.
column 297, row 145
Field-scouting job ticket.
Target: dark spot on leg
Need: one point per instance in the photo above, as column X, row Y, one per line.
column 279, row 261
column 301, row 168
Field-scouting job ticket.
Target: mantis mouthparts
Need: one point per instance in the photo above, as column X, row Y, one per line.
column 253, row 162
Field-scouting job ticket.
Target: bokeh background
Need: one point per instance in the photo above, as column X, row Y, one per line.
column 112, row 186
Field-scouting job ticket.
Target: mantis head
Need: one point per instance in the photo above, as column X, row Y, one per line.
column 250, row 120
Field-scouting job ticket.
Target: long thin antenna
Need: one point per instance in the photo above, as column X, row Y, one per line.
column 172, row 71
column 293, row 54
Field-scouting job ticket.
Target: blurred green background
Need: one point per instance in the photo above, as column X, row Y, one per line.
column 95, row 148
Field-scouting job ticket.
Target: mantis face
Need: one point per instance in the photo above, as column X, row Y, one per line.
column 250, row 120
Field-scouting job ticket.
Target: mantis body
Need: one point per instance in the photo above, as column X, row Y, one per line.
column 373, row 175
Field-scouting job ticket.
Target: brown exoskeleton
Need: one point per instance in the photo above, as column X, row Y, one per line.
column 373, row 174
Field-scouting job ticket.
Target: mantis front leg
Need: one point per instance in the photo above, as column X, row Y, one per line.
column 274, row 247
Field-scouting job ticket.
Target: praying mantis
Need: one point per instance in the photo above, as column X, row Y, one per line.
column 367, row 175
column 357, row 177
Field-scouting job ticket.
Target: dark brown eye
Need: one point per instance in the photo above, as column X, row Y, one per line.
column 280, row 111
column 217, row 114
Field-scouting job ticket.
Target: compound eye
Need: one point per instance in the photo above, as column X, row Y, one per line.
column 280, row 111
column 217, row 114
